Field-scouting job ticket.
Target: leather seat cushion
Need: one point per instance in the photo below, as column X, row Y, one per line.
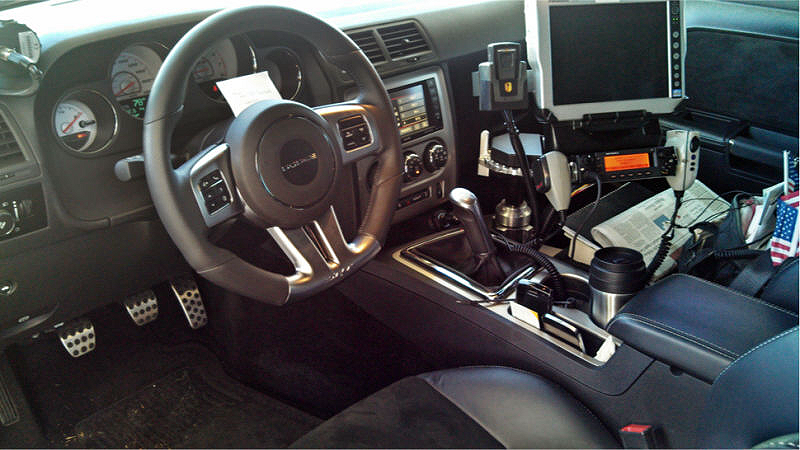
column 473, row 407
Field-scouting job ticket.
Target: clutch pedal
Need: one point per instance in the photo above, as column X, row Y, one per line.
column 188, row 294
column 78, row 337
column 142, row 307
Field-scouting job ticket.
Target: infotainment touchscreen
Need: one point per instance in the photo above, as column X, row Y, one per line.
column 416, row 109
column 409, row 110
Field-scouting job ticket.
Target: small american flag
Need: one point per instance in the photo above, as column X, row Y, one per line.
column 791, row 175
column 784, row 240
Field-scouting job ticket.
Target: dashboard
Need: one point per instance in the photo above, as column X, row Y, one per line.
column 80, row 228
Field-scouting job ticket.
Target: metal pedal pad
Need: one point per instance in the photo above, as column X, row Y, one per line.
column 185, row 288
column 9, row 415
column 78, row 337
column 142, row 307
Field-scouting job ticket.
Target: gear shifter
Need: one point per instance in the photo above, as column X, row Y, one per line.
column 468, row 212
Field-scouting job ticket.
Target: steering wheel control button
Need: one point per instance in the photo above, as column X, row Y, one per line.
column 215, row 192
column 188, row 295
column 354, row 132
column 142, row 307
column 78, row 337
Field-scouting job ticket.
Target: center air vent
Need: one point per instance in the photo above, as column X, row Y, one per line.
column 369, row 45
column 403, row 40
column 10, row 152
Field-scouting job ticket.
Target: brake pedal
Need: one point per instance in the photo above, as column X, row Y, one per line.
column 185, row 288
column 78, row 337
column 142, row 307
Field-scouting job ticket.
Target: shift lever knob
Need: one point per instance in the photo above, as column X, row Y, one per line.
column 468, row 212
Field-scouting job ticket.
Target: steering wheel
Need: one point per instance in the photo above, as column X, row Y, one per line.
column 278, row 166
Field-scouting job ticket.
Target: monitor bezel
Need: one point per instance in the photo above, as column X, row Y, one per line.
column 537, row 20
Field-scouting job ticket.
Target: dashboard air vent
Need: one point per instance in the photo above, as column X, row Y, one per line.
column 403, row 40
column 369, row 45
column 10, row 152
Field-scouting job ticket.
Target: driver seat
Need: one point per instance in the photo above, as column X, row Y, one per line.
column 753, row 400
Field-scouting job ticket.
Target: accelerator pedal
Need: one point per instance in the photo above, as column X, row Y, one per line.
column 188, row 294
column 142, row 307
column 78, row 337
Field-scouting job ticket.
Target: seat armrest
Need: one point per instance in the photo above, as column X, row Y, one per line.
column 697, row 326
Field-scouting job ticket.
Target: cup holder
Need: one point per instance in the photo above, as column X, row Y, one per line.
column 579, row 314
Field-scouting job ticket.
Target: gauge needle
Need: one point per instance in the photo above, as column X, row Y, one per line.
column 125, row 88
column 72, row 123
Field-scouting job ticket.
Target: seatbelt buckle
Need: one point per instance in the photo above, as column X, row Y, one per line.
column 638, row 436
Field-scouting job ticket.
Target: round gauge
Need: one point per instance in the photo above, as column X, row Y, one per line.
column 284, row 69
column 132, row 76
column 75, row 124
column 228, row 58
column 219, row 63
column 84, row 121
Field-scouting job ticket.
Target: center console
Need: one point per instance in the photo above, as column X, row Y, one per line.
column 422, row 109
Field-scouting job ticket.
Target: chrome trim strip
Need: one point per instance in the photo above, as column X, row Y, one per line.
column 450, row 280
column 303, row 270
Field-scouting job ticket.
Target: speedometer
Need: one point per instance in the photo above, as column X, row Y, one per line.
column 132, row 76
column 228, row 58
column 219, row 63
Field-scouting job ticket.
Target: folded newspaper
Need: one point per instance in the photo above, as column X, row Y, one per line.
column 641, row 226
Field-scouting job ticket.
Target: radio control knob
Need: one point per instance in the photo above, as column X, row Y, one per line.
column 7, row 222
column 412, row 166
column 435, row 157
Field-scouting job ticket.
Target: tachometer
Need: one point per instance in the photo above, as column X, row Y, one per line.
column 132, row 76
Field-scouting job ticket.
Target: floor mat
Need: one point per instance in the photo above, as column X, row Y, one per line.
column 322, row 354
column 72, row 397
column 196, row 407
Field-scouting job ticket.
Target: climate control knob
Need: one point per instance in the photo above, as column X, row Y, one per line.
column 435, row 157
column 7, row 222
column 412, row 166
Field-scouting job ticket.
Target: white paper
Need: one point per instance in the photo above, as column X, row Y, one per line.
column 241, row 92
column 641, row 226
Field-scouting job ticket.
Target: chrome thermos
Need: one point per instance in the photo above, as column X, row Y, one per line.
column 616, row 274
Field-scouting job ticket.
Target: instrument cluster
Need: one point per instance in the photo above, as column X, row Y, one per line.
column 85, row 121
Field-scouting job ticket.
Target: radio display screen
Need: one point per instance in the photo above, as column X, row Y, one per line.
column 410, row 111
column 630, row 161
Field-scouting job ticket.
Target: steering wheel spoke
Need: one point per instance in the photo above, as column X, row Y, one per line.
column 320, row 253
column 355, row 127
column 282, row 164
column 211, row 182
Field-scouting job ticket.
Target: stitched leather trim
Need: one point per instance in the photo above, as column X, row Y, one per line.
column 772, row 339
column 718, row 349
column 738, row 294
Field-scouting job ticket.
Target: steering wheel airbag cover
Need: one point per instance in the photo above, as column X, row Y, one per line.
column 284, row 161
